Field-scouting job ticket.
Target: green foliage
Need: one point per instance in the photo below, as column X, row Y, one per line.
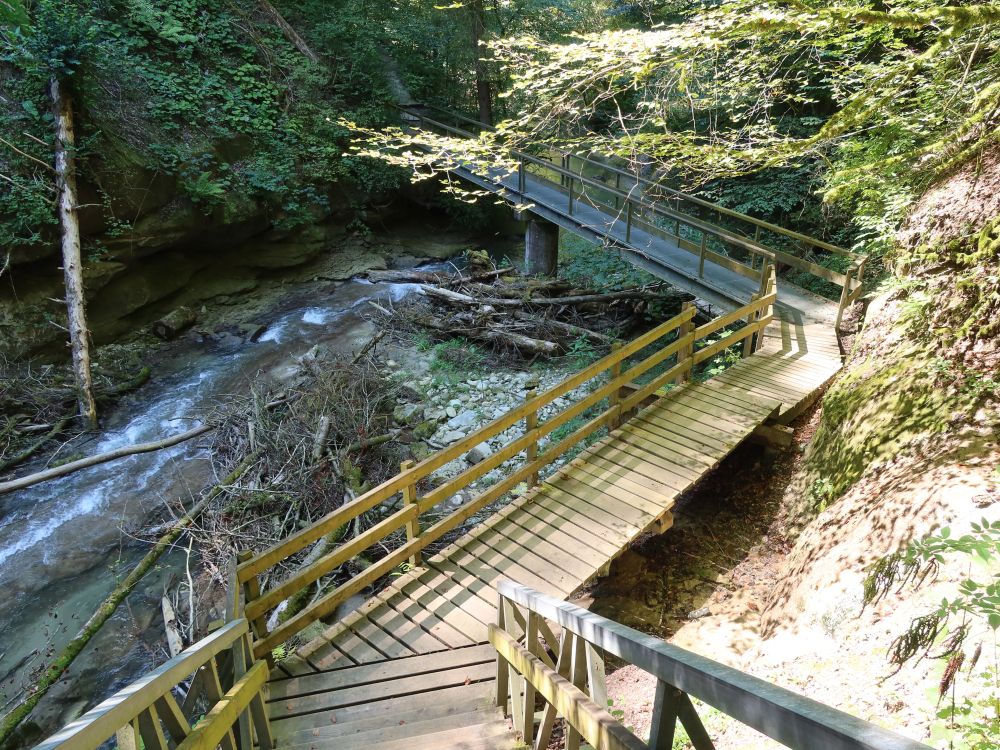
column 589, row 266
column 961, row 631
column 456, row 358
column 822, row 492
column 581, row 352
column 211, row 93
column 594, row 267
column 723, row 360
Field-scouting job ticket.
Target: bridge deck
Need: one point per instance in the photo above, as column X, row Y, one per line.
column 655, row 252
column 413, row 652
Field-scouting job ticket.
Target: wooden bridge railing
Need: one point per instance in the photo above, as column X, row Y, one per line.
column 656, row 209
column 226, row 691
column 404, row 502
column 572, row 685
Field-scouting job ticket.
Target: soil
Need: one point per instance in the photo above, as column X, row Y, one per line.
column 747, row 578
column 703, row 583
column 962, row 202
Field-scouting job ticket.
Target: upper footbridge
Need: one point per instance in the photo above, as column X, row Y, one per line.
column 712, row 252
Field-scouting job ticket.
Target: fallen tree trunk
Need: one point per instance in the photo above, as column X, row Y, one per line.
column 174, row 323
column 32, row 449
column 83, row 463
column 458, row 298
column 568, row 328
column 107, row 608
column 409, row 276
column 493, row 335
column 415, row 276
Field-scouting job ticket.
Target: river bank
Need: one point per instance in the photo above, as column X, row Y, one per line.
column 63, row 544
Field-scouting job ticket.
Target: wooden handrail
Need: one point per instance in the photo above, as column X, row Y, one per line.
column 349, row 511
column 147, row 706
column 598, row 727
column 789, row 718
column 752, row 246
column 687, row 197
column 682, row 347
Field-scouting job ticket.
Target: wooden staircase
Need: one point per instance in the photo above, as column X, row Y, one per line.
column 425, row 702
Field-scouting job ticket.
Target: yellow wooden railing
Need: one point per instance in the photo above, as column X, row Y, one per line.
column 226, row 691
column 210, row 695
column 677, row 338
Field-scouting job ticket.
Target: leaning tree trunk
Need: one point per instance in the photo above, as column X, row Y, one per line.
column 484, row 92
column 288, row 30
column 79, row 336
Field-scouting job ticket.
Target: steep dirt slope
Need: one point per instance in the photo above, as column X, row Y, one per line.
column 907, row 443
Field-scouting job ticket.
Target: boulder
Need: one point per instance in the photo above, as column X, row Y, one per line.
column 406, row 414
column 447, row 437
column 478, row 454
column 425, row 430
column 462, row 420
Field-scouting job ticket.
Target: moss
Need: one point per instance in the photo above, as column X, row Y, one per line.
column 879, row 407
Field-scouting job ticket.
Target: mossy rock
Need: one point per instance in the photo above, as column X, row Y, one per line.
column 425, row 430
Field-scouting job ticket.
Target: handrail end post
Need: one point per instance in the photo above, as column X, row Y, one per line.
column 413, row 525
column 530, row 425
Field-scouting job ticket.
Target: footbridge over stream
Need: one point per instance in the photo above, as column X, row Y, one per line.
column 449, row 647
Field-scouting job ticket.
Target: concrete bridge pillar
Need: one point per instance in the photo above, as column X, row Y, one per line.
column 541, row 247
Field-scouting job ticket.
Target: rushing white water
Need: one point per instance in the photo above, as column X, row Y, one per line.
column 60, row 541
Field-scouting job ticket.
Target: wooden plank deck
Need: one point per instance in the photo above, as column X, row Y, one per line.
column 406, row 654
column 408, row 668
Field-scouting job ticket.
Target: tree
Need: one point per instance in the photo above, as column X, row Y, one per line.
column 484, row 91
column 65, row 167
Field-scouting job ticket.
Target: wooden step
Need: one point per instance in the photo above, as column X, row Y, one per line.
column 437, row 700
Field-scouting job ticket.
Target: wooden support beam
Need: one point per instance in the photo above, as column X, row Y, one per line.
column 773, row 435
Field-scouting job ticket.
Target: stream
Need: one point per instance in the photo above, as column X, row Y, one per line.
column 62, row 543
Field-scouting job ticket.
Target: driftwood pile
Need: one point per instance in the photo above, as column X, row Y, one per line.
column 534, row 317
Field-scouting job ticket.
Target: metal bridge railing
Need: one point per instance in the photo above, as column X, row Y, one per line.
column 654, row 208
column 568, row 674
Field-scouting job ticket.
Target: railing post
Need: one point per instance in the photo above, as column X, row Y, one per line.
column 531, row 424
column 844, row 296
column 748, row 342
column 701, row 256
column 616, row 395
column 765, row 277
column 413, row 525
column 618, row 189
column 569, row 178
column 520, row 176
column 628, row 220
column 686, row 352
column 251, row 591
column 664, row 719
column 503, row 674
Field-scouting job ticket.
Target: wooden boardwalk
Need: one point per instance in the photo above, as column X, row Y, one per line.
column 415, row 666
column 408, row 668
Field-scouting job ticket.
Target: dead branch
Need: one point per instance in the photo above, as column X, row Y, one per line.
column 83, row 463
